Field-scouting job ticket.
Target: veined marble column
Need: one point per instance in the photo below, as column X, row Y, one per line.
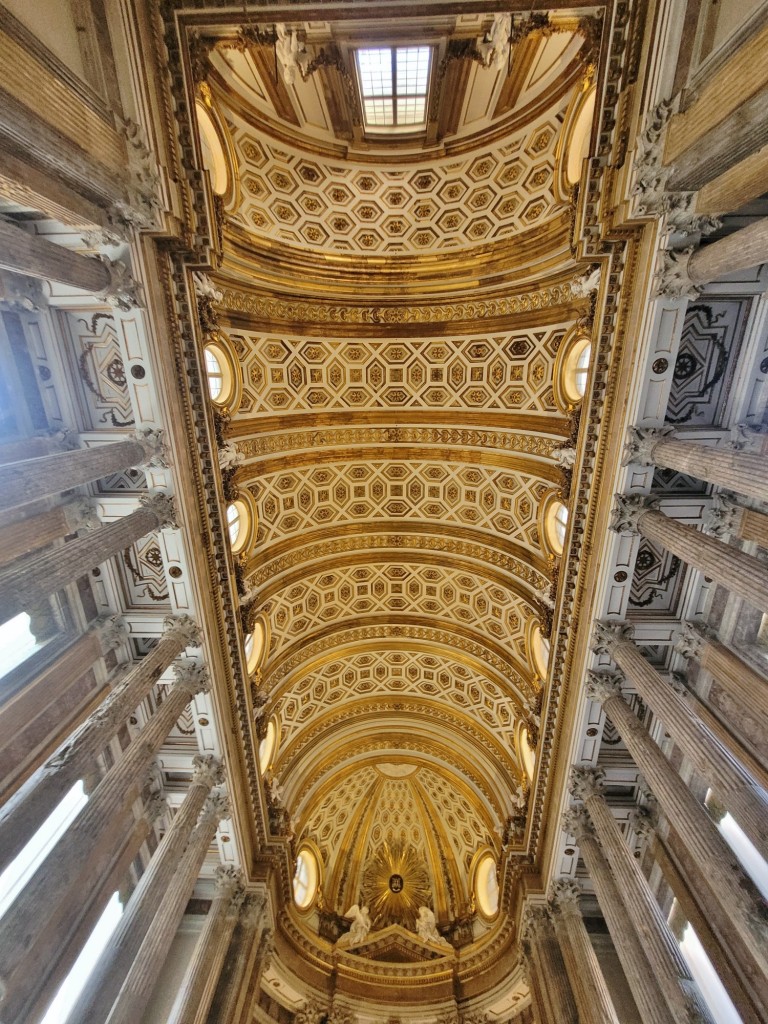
column 22, row 482
column 637, row 970
column 33, row 802
column 734, row 569
column 741, row 794
column 553, row 989
column 142, row 977
column 35, row 256
column 244, row 954
column 199, row 984
column 741, row 250
column 590, row 991
column 669, row 968
column 27, row 935
column 103, row 985
column 737, row 895
column 743, row 472
column 23, row 586
column 737, row 678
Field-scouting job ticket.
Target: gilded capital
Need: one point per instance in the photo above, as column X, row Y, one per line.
column 207, row 770
column 564, row 895
column 641, row 443
column 586, row 781
column 182, row 627
column 163, row 507
column 576, row 822
column 608, row 635
column 627, row 510
column 191, row 676
column 601, row 686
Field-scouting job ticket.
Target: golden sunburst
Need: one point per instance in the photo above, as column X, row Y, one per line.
column 395, row 885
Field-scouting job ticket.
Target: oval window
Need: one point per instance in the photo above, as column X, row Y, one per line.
column 214, row 157
column 578, row 143
column 267, row 747
column 255, row 647
column 237, row 524
column 218, row 370
column 539, row 652
column 527, row 753
column 487, row 886
column 305, row 879
column 556, row 526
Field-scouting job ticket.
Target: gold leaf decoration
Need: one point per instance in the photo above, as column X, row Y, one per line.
column 395, row 885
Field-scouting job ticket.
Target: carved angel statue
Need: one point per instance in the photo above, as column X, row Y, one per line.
column 275, row 790
column 361, row 924
column 290, row 55
column 494, row 45
column 426, row 928
column 230, row 456
column 582, row 286
column 520, row 798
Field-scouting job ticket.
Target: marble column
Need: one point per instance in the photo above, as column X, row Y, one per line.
column 736, row 894
column 727, row 518
column 589, row 989
column 734, row 569
column 743, row 472
column 245, row 954
column 667, row 963
column 23, row 586
column 31, row 447
column 743, row 796
column 742, row 682
column 32, row 479
column 28, row 936
column 104, row 982
column 552, row 986
column 741, row 250
column 35, row 799
column 35, row 256
column 637, row 970
column 201, row 977
column 141, row 979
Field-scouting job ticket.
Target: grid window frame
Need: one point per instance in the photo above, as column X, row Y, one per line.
column 394, row 85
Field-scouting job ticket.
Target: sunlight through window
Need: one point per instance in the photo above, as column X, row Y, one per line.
column 16, row 642
column 394, row 82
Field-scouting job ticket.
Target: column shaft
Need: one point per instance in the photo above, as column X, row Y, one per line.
column 743, row 797
column 37, row 257
column 241, row 957
column 669, row 968
column 142, row 977
column 739, row 679
column 547, row 961
column 637, row 970
column 29, row 448
column 35, row 799
column 103, row 985
column 734, row 569
column 37, row 577
column 589, row 989
column 22, row 482
column 28, row 936
column 743, row 472
column 32, row 533
column 740, row 251
column 201, row 977
column 737, row 895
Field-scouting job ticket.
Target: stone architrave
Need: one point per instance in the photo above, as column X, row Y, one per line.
column 106, row 978
column 199, row 984
column 28, row 936
column 589, row 989
column 736, row 894
column 637, row 970
column 736, row 787
column 743, row 472
column 734, row 569
column 35, row 478
column 139, row 983
column 670, row 970
column 23, row 586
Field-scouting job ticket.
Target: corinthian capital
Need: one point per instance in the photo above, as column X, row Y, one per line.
column 641, row 443
column 191, row 676
column 576, row 823
column 586, row 781
column 691, row 641
column 673, row 279
column 601, row 686
column 535, row 921
column 155, row 448
column 723, row 515
column 564, row 895
column 229, row 882
column 111, row 631
column 122, row 290
column 216, row 807
column 608, row 635
column 183, row 628
column 627, row 509
column 155, row 807
column 207, row 770
column 162, row 505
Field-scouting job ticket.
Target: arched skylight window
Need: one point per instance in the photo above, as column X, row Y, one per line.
column 305, row 879
column 487, row 885
column 214, row 372
column 539, row 651
column 267, row 747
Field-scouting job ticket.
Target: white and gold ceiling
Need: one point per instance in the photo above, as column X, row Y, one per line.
column 396, row 314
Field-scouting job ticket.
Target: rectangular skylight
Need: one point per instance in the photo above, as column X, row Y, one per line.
column 394, row 81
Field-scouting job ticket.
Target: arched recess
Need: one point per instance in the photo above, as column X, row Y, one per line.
column 217, row 153
column 575, row 142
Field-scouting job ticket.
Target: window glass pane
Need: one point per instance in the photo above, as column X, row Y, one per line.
column 16, row 642
column 379, row 112
column 412, row 70
column 410, row 111
column 375, row 71
column 215, row 376
column 233, row 521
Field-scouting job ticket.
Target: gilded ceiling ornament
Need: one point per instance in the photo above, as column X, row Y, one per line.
column 395, row 885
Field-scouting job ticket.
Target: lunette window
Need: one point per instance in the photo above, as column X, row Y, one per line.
column 394, row 81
